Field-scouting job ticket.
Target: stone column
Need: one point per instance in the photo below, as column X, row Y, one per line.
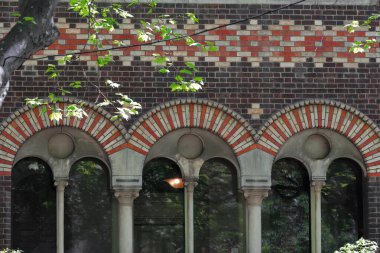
column 189, row 184
column 254, row 198
column 125, row 199
column 60, row 189
column 317, row 187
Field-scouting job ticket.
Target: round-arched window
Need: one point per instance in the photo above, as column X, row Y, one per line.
column 88, row 209
column 33, row 207
column 159, row 210
column 218, row 210
column 342, row 205
column 286, row 211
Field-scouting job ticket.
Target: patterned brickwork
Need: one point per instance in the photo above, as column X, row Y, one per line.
column 191, row 113
column 27, row 121
column 286, row 41
column 357, row 127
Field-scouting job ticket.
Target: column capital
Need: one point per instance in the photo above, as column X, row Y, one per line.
column 126, row 197
column 61, row 184
column 255, row 196
column 190, row 183
column 317, row 185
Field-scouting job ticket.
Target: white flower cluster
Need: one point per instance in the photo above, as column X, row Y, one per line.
column 360, row 246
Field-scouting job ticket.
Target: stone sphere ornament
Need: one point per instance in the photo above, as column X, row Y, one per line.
column 316, row 147
column 60, row 146
column 190, row 146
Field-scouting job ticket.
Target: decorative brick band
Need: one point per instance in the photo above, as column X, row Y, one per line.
column 27, row 121
column 349, row 122
column 196, row 113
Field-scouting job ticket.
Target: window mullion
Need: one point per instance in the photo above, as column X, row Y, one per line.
column 60, row 188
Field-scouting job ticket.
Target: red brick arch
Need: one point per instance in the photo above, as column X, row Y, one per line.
column 27, row 121
column 192, row 113
column 341, row 118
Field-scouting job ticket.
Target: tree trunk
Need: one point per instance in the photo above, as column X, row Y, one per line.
column 26, row 38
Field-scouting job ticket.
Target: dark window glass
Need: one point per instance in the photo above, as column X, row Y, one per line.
column 218, row 210
column 342, row 208
column 286, row 211
column 33, row 207
column 159, row 211
column 88, row 209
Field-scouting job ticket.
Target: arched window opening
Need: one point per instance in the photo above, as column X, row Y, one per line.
column 218, row 210
column 342, row 205
column 159, row 210
column 33, row 207
column 88, row 209
column 286, row 211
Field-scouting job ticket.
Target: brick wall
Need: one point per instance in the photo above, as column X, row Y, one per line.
column 293, row 55
column 265, row 64
column 5, row 211
column 374, row 208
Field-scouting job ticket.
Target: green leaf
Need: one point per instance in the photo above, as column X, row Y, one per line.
column 76, row 84
column 179, row 78
column 16, row 14
column 175, row 87
column 144, row 36
column 162, row 60
column 29, row 19
column 186, row 71
column 118, row 43
column 64, row 91
column 56, row 115
column 65, row 59
column 52, row 71
column 198, row 79
column 119, row 11
column 192, row 17
column 34, row 102
column 190, row 65
column 210, row 47
column 134, row 2
column 54, row 99
column 103, row 60
column 164, row 71
column 74, row 111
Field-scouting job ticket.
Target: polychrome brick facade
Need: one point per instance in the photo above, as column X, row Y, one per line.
column 273, row 77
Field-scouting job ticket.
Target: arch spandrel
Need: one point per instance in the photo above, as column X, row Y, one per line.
column 27, row 121
column 324, row 114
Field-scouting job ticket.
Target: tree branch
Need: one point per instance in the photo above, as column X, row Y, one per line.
column 26, row 38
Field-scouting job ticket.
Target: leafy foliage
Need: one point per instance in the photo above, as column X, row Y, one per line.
column 106, row 19
column 365, row 45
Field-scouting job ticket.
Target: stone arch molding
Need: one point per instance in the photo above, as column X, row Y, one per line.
column 325, row 114
column 27, row 121
column 193, row 113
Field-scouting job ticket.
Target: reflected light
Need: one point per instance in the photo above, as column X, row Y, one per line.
column 176, row 183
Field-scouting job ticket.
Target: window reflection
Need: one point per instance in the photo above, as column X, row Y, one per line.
column 218, row 210
column 88, row 209
column 342, row 208
column 33, row 207
column 286, row 211
column 159, row 210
